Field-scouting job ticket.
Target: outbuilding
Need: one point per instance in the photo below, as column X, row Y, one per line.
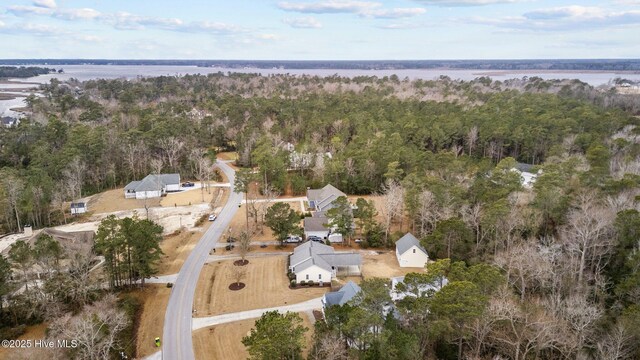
column 410, row 253
column 78, row 208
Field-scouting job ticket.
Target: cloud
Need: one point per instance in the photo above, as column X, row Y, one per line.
column 49, row 4
column 329, row 7
column 32, row 29
column 271, row 37
column 303, row 23
column 361, row 8
column 396, row 13
column 20, row 10
column 563, row 19
column 467, row 2
column 77, row 14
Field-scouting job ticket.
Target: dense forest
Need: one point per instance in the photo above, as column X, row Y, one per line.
column 23, row 72
column 549, row 272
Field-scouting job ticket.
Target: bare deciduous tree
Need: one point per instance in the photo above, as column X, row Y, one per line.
column 171, row 147
column 238, row 273
column 244, row 245
column 392, row 204
column 13, row 187
column 586, row 234
column 615, row 345
column 96, row 328
column 472, row 139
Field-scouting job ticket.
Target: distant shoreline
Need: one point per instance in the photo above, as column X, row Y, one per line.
column 541, row 71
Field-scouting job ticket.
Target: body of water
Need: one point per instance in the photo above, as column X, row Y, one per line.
column 90, row 72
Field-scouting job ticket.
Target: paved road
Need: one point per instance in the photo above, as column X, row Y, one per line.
column 176, row 337
column 199, row 323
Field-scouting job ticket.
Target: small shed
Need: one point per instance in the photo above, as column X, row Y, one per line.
column 78, row 208
column 410, row 253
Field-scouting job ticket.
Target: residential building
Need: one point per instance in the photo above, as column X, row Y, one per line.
column 152, row 186
column 410, row 253
column 322, row 199
column 340, row 297
column 313, row 261
column 527, row 175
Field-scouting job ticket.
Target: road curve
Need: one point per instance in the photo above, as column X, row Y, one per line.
column 176, row 338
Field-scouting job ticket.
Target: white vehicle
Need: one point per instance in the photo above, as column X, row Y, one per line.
column 293, row 239
column 212, row 217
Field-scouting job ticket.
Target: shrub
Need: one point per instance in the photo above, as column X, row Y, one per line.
column 310, row 283
column 293, row 283
column 303, row 283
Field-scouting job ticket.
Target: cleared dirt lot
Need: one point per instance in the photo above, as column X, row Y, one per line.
column 384, row 265
column 224, row 342
column 266, row 282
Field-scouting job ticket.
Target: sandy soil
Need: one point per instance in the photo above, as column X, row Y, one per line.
column 384, row 265
column 227, row 156
column 177, row 247
column 155, row 298
column 225, row 341
column 35, row 332
column 267, row 286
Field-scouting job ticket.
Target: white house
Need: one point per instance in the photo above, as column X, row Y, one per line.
column 410, row 253
column 313, row 261
column 340, row 297
column 78, row 208
column 152, row 186
column 8, row 121
column 527, row 176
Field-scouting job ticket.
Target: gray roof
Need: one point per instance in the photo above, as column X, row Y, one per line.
column 342, row 296
column 153, row 182
column 524, row 167
column 316, row 224
column 314, row 253
column 7, row 120
column 325, row 196
column 406, row 242
column 342, row 259
column 77, row 205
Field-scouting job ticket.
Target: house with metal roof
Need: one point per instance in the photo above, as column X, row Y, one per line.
column 340, row 297
column 410, row 253
column 152, row 186
column 527, row 174
column 313, row 261
column 322, row 199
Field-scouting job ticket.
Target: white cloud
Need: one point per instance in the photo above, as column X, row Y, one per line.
column 268, row 37
column 32, row 29
column 75, row 14
column 303, row 22
column 20, row 10
column 564, row 18
column 50, row 4
column 396, row 13
column 362, row 8
column 329, row 7
column 467, row 2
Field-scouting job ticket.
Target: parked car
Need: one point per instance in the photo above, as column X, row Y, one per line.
column 293, row 239
column 212, row 217
column 358, row 240
column 229, row 247
column 315, row 238
column 188, row 184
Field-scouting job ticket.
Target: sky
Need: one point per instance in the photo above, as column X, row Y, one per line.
column 320, row 29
